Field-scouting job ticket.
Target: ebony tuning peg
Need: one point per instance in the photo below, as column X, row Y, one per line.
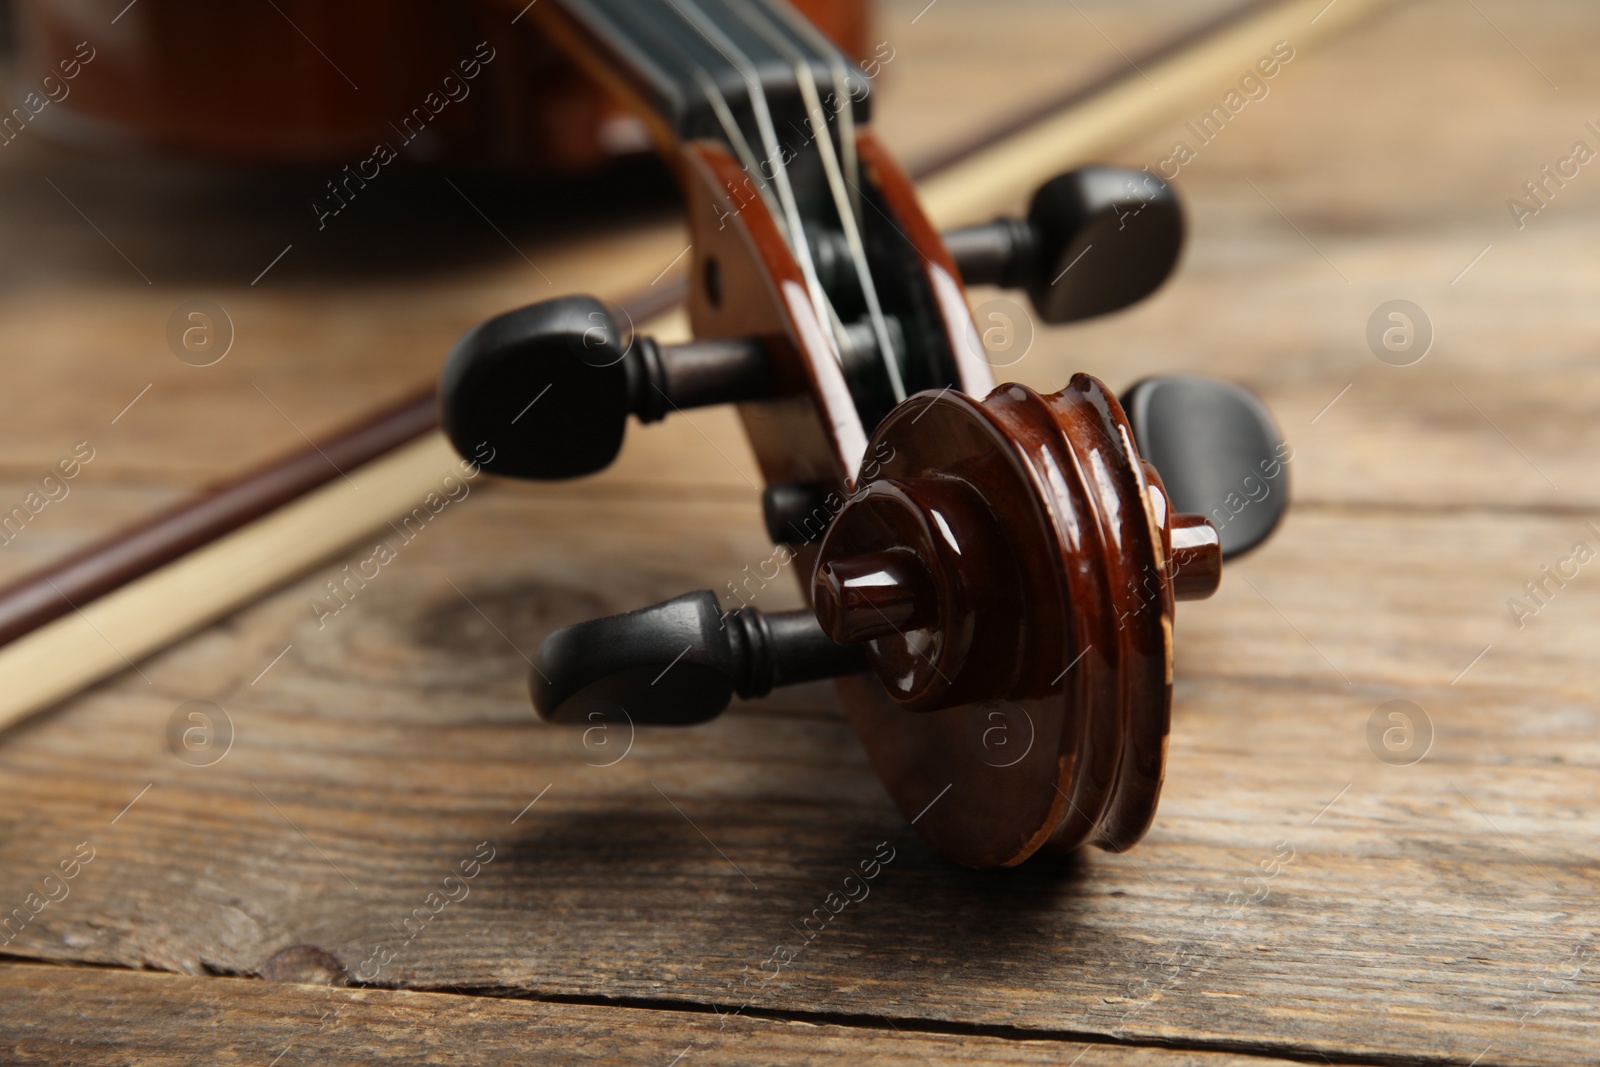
column 1218, row 451
column 545, row 391
column 1095, row 240
column 680, row 662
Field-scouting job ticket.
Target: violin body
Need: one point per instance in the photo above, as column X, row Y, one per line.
column 304, row 81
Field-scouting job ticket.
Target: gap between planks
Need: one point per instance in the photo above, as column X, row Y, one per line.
column 910, row 1026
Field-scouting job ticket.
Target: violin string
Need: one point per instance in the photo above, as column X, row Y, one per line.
column 818, row 123
column 725, row 118
column 741, row 147
column 707, row 28
column 821, row 46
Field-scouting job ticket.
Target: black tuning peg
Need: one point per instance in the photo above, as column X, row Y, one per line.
column 680, row 662
column 1218, row 452
column 1095, row 240
column 545, row 391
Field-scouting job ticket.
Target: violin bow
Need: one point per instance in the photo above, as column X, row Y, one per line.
column 121, row 599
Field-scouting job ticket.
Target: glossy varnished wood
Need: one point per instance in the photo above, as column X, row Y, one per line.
column 1024, row 696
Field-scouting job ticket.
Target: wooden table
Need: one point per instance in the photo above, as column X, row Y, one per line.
column 1299, row 898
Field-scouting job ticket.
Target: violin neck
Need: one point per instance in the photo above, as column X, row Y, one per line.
column 761, row 81
column 695, row 63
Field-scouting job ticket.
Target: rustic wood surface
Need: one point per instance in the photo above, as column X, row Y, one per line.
column 228, row 1021
column 1298, row 897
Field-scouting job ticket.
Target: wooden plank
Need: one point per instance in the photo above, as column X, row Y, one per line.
column 363, row 310
column 336, row 328
column 71, row 653
column 116, row 630
column 381, row 750
column 352, row 315
column 957, row 69
column 77, row 1016
column 1431, row 913
column 1382, row 168
column 1276, row 314
column 1159, row 91
column 302, row 360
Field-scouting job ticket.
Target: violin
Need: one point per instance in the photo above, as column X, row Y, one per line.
column 991, row 572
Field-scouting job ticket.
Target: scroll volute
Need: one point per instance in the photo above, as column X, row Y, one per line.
column 1013, row 568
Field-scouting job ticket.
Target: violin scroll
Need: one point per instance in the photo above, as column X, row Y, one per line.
column 1003, row 539
column 1012, row 552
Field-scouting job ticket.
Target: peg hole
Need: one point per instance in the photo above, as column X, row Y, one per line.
column 713, row 282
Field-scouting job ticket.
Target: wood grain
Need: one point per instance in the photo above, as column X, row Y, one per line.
column 1382, row 165
column 1142, row 99
column 383, row 748
column 413, row 484
column 97, row 639
column 1433, row 913
column 132, row 552
column 81, row 1016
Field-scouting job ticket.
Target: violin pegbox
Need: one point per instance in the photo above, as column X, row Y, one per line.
column 1015, row 552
